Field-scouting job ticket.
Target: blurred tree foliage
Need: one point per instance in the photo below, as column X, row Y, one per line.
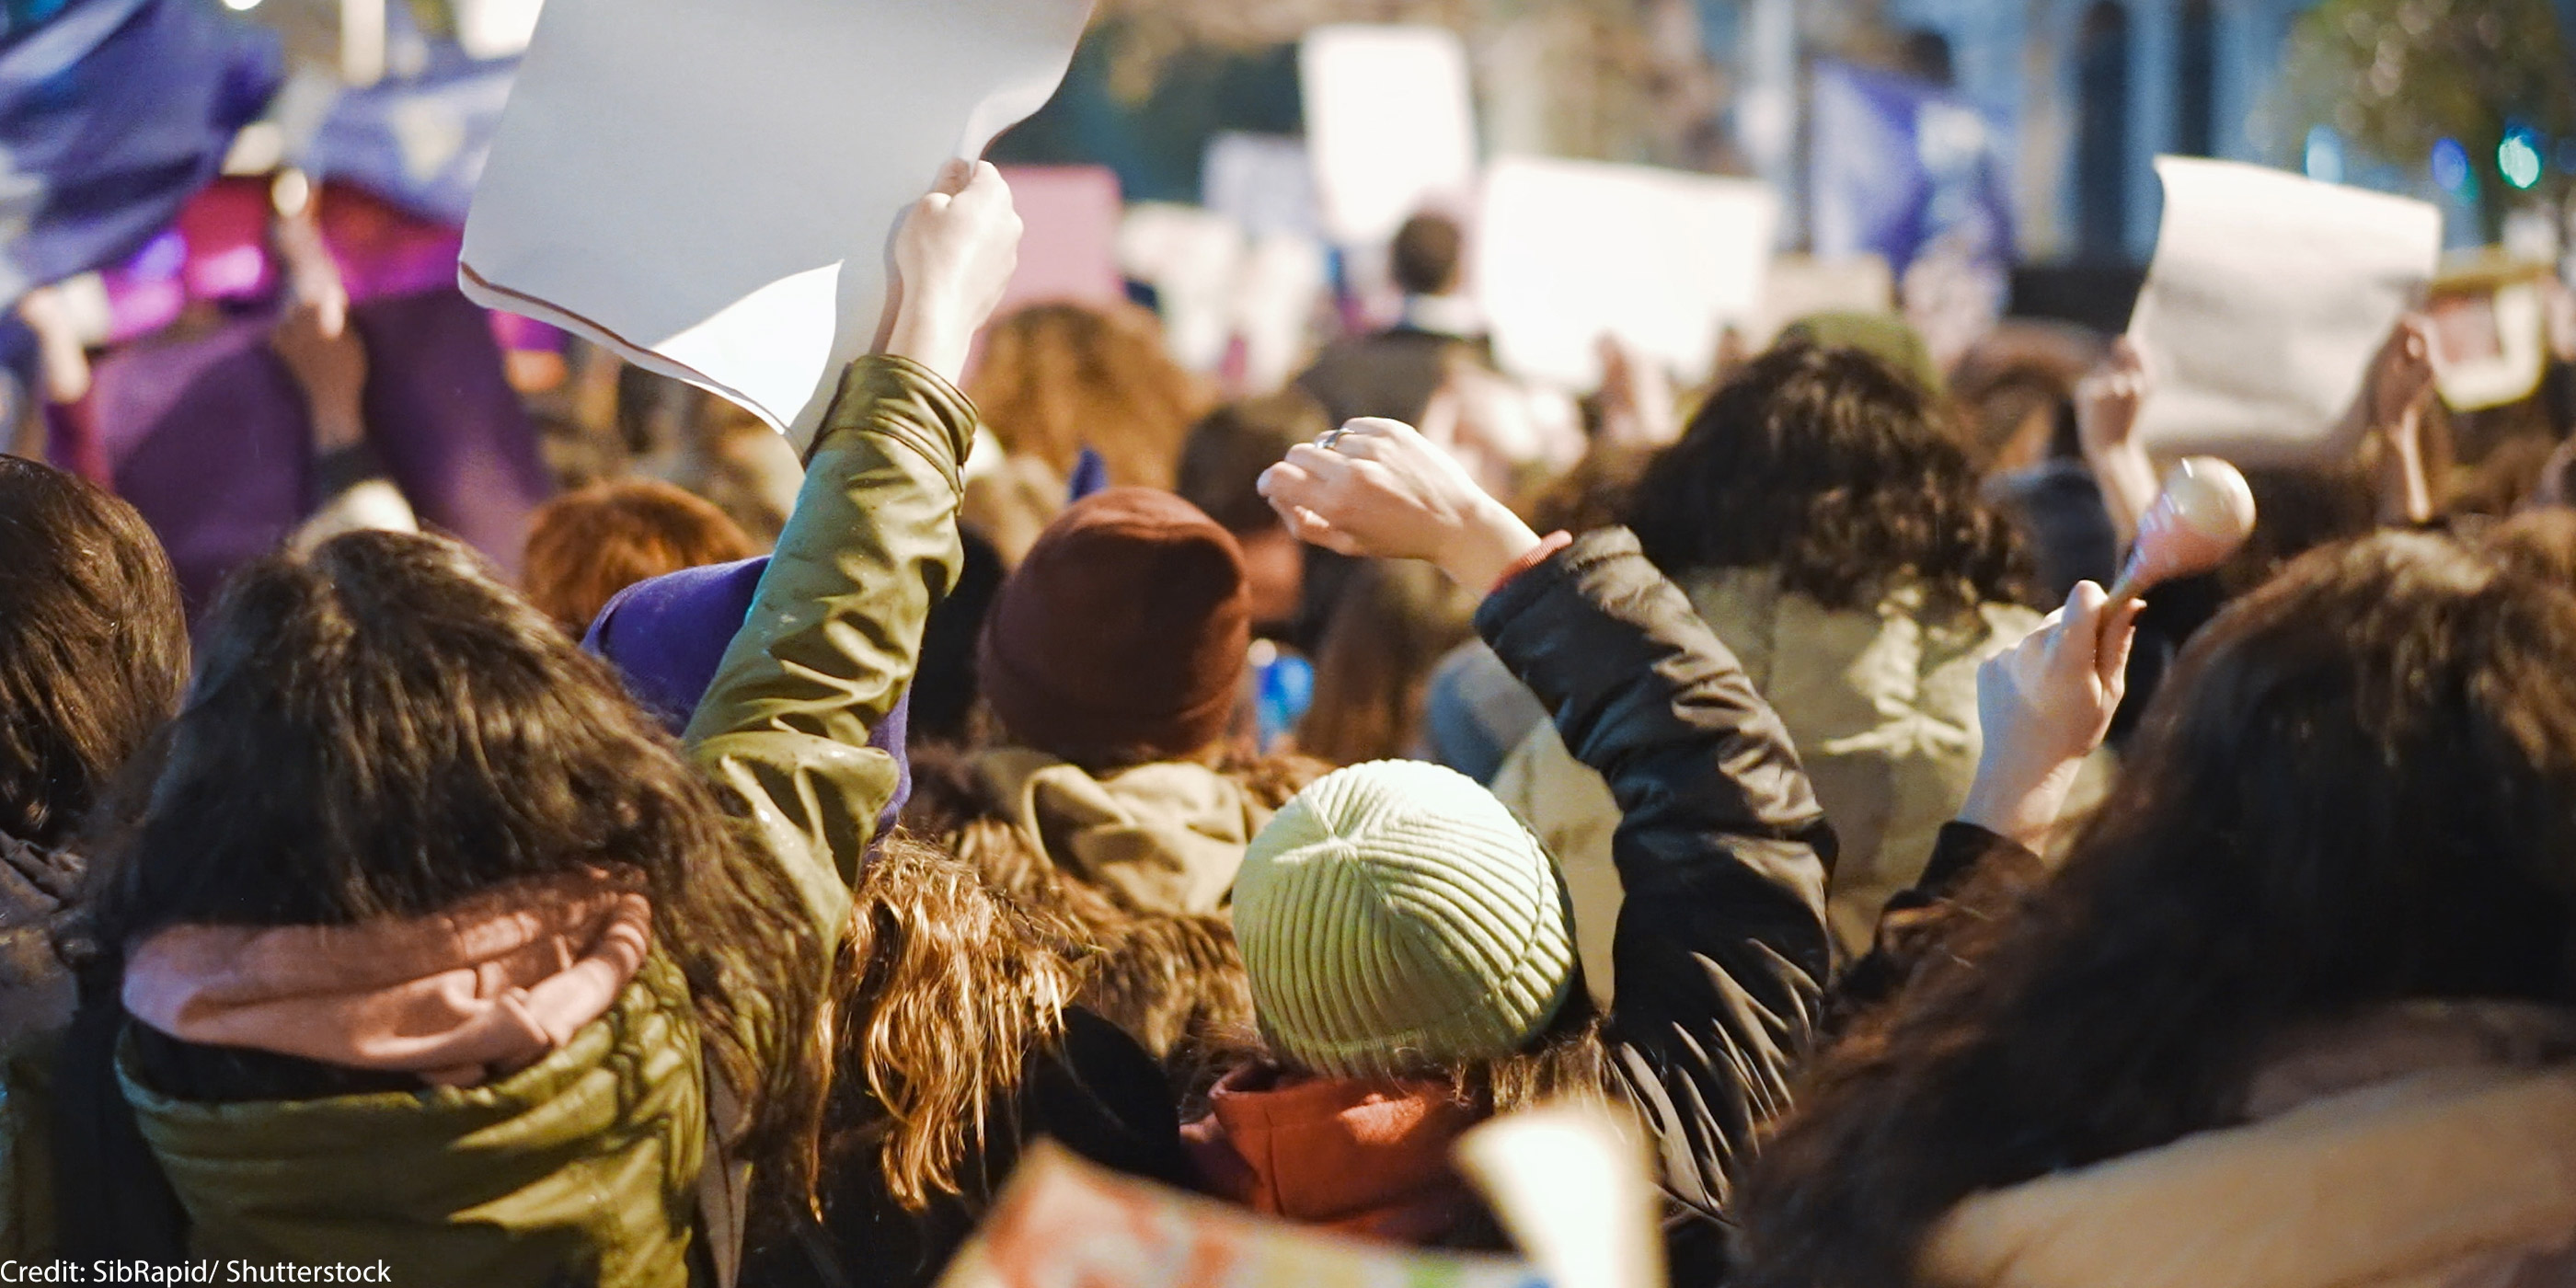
column 2395, row 77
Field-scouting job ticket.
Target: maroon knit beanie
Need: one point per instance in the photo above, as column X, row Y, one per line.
column 1121, row 639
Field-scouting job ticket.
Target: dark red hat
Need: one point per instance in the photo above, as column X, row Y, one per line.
column 1122, row 638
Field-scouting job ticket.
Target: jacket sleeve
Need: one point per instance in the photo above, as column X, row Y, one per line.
column 835, row 629
column 1721, row 949
column 1974, row 877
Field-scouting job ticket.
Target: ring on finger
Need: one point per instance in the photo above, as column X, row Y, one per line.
column 1330, row 438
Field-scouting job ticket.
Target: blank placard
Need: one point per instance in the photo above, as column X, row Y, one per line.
column 709, row 189
column 1392, row 125
column 1570, row 251
column 2268, row 297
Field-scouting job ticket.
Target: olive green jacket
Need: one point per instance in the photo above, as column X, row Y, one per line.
column 585, row 1168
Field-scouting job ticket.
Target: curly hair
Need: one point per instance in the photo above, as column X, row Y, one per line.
column 1829, row 465
column 942, row 988
column 1056, row 378
column 2353, row 791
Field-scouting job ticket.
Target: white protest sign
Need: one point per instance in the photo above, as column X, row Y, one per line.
column 1391, row 123
column 709, row 189
column 2268, row 296
column 1570, row 251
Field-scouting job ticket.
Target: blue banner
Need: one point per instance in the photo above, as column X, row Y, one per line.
column 418, row 141
column 1901, row 167
column 112, row 114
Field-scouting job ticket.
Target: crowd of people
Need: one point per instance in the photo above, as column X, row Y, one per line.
column 1255, row 797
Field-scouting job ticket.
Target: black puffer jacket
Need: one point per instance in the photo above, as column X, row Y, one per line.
column 1721, row 949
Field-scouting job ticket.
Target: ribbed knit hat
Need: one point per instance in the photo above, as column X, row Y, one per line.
column 1122, row 637
column 1396, row 919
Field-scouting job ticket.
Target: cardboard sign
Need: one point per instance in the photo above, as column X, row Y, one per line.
column 1570, row 251
column 709, row 190
column 2268, row 297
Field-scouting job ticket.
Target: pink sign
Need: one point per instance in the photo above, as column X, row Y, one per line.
column 1070, row 248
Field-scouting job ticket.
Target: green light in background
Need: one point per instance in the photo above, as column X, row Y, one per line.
column 2518, row 159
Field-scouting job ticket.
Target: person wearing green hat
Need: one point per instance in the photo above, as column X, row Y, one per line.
column 1410, row 945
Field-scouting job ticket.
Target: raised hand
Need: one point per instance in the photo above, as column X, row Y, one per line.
column 1378, row 488
column 2044, row 705
column 2107, row 405
column 2401, row 374
column 330, row 363
column 953, row 258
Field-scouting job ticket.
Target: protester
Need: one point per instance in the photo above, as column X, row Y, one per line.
column 2297, row 1009
column 1373, row 673
column 398, row 790
column 1220, row 473
column 1119, row 786
column 1395, row 372
column 1113, row 663
column 93, row 658
column 1830, row 532
column 959, row 1041
column 1058, row 378
column 1410, row 946
column 586, row 546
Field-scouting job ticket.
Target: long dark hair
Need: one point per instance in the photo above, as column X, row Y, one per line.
column 381, row 730
column 1832, row 467
column 93, row 646
column 2359, row 786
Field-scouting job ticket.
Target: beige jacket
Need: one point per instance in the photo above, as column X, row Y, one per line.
column 1882, row 707
column 1164, row 838
column 2433, row 1146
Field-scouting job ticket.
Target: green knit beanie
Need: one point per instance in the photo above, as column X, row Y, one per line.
column 1396, row 919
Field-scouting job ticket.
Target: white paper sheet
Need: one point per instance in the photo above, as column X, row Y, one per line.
column 709, row 189
column 1567, row 251
column 2267, row 298
column 1391, row 123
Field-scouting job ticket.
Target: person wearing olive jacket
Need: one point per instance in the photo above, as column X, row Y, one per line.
column 423, row 945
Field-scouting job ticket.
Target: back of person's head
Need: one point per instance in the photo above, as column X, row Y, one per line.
column 1397, row 921
column 1057, row 378
column 1394, row 622
column 1123, row 637
column 1830, row 466
column 2304, row 507
column 93, row 645
column 1228, row 449
column 1430, row 255
column 585, row 546
column 2352, row 792
column 382, row 730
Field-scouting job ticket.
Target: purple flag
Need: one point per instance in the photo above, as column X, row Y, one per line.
column 112, row 113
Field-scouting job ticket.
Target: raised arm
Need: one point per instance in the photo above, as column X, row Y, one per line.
column 835, row 630
column 1721, row 948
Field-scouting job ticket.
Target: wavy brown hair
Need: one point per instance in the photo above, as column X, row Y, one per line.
column 1056, row 378
column 1389, row 629
column 1832, row 467
column 943, row 986
column 93, row 646
column 381, row 729
column 2358, row 787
